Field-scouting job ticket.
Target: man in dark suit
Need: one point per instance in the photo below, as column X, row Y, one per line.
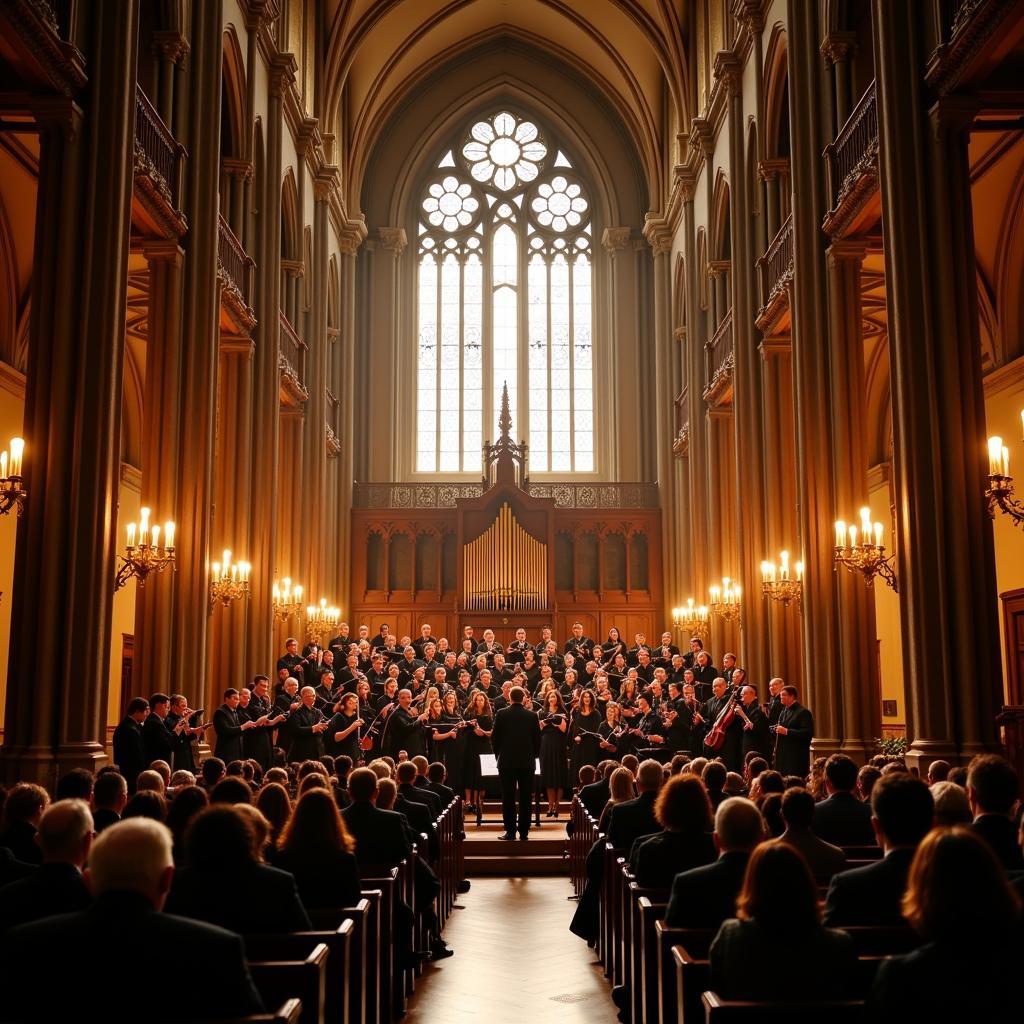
column 993, row 790
column 57, row 887
column 109, row 796
column 229, row 726
column 635, row 818
column 131, row 870
column 379, row 835
column 404, row 728
column 183, row 756
column 704, row 897
column 436, row 774
column 902, row 815
column 756, row 734
column 774, row 700
column 129, row 748
column 793, row 734
column 516, row 742
column 157, row 739
column 597, row 794
column 405, row 774
column 843, row 819
column 258, row 742
column 307, row 728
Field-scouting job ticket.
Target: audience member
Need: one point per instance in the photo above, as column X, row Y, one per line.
column 993, row 791
column 23, row 809
column 771, row 811
column 150, row 781
column 634, row 818
column 77, row 784
column 866, row 779
column 621, row 787
column 146, row 804
column 951, row 804
column 187, row 803
column 378, row 834
column 842, row 819
column 714, row 776
column 938, row 771
column 799, row 813
column 231, row 790
column 109, row 795
column 276, row 806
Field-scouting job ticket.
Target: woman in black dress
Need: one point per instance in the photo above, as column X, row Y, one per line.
column 531, row 669
column 583, row 726
column 554, row 767
column 478, row 742
column 344, row 728
column 444, row 723
column 610, row 732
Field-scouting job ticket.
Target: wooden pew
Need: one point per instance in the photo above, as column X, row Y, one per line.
column 306, row 979
column 644, row 907
column 289, row 1012
column 693, row 978
column 390, row 985
column 359, row 966
column 696, row 941
column 344, row 965
column 721, row 1011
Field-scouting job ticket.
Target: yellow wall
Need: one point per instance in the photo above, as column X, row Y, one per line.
column 12, row 411
column 123, row 616
column 1004, row 399
column 887, row 617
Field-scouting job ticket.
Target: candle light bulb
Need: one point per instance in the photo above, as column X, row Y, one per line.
column 784, row 570
column 736, row 593
column 169, row 534
column 840, row 534
column 865, row 522
column 1005, row 462
column 995, row 456
column 17, row 451
column 234, row 572
column 689, row 604
column 131, row 535
column 155, row 537
column 878, row 535
column 143, row 525
column 714, row 591
column 3, row 465
column 216, row 569
column 764, row 572
column 275, row 594
column 245, row 572
column 298, row 594
column 799, row 571
column 853, row 536
column 703, row 612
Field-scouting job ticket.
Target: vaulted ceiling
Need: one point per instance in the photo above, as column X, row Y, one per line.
column 630, row 53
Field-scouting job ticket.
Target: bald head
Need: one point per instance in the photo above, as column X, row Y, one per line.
column 65, row 833
column 649, row 776
column 133, row 856
column 738, row 825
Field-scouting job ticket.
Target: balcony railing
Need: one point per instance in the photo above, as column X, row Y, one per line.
column 333, row 424
column 719, row 360
column 775, row 272
column 157, row 152
column 235, row 264
column 681, row 441
column 853, row 162
column 292, row 357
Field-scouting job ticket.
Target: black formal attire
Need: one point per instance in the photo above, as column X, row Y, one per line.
column 446, row 794
column 745, row 958
column 649, row 725
column 475, row 746
column 619, row 740
column 1001, row 834
column 50, row 889
column 306, row 745
column 325, row 878
column 451, row 753
column 587, row 751
column 793, row 751
column 91, row 987
column 104, row 817
column 679, row 733
column 182, row 758
column 631, row 819
column 657, row 859
column 157, row 741
column 340, row 643
column 421, row 795
column 283, row 706
column 292, row 662
column 843, row 820
column 580, row 648
column 663, row 655
column 129, row 750
column 404, row 732
column 20, row 838
column 705, row 897
column 972, row 980
column 516, row 651
column 257, row 742
column 228, row 724
column 595, row 796
column 702, row 680
column 516, row 742
column 758, row 738
column 11, row 868
column 349, row 746
column 247, row 898
column 869, row 895
column 774, row 710
column 379, row 835
column 376, row 680
column 554, row 751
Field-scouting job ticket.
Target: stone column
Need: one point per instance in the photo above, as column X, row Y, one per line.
column 946, row 565
column 199, row 314
column 267, row 382
column 858, row 664
column 811, row 376
column 721, row 520
column 64, row 563
column 626, row 450
column 160, row 457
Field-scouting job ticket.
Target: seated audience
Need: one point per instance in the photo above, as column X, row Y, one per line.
column 771, row 811
column 316, row 848
column 634, row 818
column 276, row 806
column 231, row 790
column 224, row 882
column 109, row 796
column 77, row 784
column 181, row 778
column 958, row 900
column 798, row 813
column 379, row 836
column 150, row 781
column 777, row 926
column 704, row 897
column 958, row 775
column 145, row 803
column 211, row 772
column 595, row 795
column 621, row 787
column 714, row 776
column 684, row 813
column 842, row 819
column 23, row 809
column 187, row 803
column 902, row 812
column 938, row 771
column 993, row 791
column 56, row 887
column 951, row 804
column 107, row 953
column 866, row 779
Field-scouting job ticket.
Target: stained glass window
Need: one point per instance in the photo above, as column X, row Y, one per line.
column 504, row 300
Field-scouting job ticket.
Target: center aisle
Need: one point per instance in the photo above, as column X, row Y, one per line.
column 515, row 961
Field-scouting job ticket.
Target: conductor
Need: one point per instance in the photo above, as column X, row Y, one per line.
column 516, row 742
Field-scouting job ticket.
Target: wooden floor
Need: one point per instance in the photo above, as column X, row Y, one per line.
column 515, row 961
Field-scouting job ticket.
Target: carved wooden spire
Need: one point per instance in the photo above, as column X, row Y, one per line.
column 505, row 419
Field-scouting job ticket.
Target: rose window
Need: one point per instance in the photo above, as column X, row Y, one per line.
column 504, row 150
column 559, row 205
column 449, row 204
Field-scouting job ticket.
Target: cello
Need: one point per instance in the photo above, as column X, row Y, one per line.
column 716, row 734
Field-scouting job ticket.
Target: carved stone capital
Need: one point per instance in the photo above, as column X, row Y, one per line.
column 658, row 234
column 282, row 74
column 351, row 235
column 325, row 182
column 171, row 45
column 615, row 239
column 393, row 239
column 847, row 250
column 751, row 13
column 728, row 68
column 702, row 137
column 838, row 46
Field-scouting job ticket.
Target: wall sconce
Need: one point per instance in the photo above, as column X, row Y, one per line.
column 229, row 581
column 144, row 553
column 725, row 600
column 778, row 585
column 999, row 493
column 866, row 557
column 287, row 600
column 692, row 620
column 12, row 489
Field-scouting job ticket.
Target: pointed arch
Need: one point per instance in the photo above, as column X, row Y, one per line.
column 776, row 95
column 703, row 270
column 721, row 219
column 233, row 122
column 291, row 223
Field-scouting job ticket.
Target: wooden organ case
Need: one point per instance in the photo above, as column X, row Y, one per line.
column 505, row 553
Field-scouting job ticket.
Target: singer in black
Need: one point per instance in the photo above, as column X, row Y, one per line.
column 516, row 740
column 756, row 735
column 343, row 730
column 308, row 726
column 447, row 736
column 478, row 711
column 583, row 736
column 229, row 726
column 554, row 748
column 404, row 729
column 259, row 741
column 793, row 735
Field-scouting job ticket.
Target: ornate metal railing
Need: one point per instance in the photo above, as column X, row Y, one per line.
column 718, row 353
column 234, row 262
column 775, row 267
column 566, row 495
column 681, row 440
column 157, row 153
column 853, row 160
column 292, row 361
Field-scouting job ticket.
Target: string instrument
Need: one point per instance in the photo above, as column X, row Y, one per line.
column 716, row 734
column 366, row 740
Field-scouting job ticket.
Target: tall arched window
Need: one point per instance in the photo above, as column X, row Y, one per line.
column 504, row 299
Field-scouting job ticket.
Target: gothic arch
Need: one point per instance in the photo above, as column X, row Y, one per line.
column 721, row 219
column 234, row 119
column 776, row 102
column 291, row 223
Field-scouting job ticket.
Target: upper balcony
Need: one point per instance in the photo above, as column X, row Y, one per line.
column 292, row 363
column 719, row 361
column 775, row 275
column 853, row 171
column 681, row 441
column 235, row 269
column 156, row 197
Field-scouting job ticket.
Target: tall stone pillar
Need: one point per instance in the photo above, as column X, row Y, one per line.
column 858, row 664
column 946, row 565
column 721, row 518
column 267, row 382
column 154, row 641
column 200, row 313
column 811, row 376
column 64, row 564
